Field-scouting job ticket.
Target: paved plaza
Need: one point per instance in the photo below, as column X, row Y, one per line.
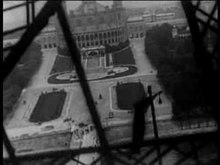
column 75, row 110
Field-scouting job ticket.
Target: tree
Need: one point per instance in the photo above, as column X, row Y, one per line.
column 178, row 75
column 20, row 77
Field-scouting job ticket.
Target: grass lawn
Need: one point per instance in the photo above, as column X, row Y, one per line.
column 48, row 107
column 124, row 57
column 62, row 64
column 128, row 94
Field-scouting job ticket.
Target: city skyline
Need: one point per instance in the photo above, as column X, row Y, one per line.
column 17, row 18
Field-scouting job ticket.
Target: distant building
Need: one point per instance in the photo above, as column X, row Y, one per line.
column 149, row 18
column 131, row 12
column 181, row 32
column 164, row 17
column 93, row 26
column 136, row 27
column 47, row 39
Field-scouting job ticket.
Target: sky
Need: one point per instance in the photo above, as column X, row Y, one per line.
column 17, row 17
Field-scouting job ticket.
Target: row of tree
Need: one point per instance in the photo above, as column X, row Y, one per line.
column 20, row 77
column 177, row 70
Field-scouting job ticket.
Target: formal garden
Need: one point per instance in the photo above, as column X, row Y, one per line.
column 62, row 64
column 49, row 107
column 128, row 94
column 53, row 79
column 124, row 57
column 121, row 54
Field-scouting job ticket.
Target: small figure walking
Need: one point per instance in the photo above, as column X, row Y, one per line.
column 100, row 96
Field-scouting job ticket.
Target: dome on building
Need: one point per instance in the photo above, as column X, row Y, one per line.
column 93, row 24
column 89, row 7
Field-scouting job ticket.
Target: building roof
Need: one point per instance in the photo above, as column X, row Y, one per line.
column 49, row 29
column 165, row 14
column 135, row 18
column 147, row 15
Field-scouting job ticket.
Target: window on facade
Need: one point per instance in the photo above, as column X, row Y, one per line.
column 100, row 36
column 140, row 28
column 96, row 35
column 83, row 44
column 90, row 20
column 91, row 37
column 54, row 45
column 50, row 39
column 78, row 22
column 87, row 37
column 119, row 16
column 101, row 19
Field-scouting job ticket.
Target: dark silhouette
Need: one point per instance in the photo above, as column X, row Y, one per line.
column 139, row 123
column 140, row 109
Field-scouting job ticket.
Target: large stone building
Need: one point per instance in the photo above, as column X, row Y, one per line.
column 47, row 39
column 136, row 27
column 93, row 26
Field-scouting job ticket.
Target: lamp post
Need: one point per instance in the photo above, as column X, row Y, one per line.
column 154, row 121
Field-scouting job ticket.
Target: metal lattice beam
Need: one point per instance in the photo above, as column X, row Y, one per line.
column 202, row 57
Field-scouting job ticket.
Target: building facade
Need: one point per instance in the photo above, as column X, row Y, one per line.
column 47, row 39
column 94, row 25
column 136, row 27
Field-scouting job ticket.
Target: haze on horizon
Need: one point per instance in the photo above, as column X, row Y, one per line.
column 12, row 19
